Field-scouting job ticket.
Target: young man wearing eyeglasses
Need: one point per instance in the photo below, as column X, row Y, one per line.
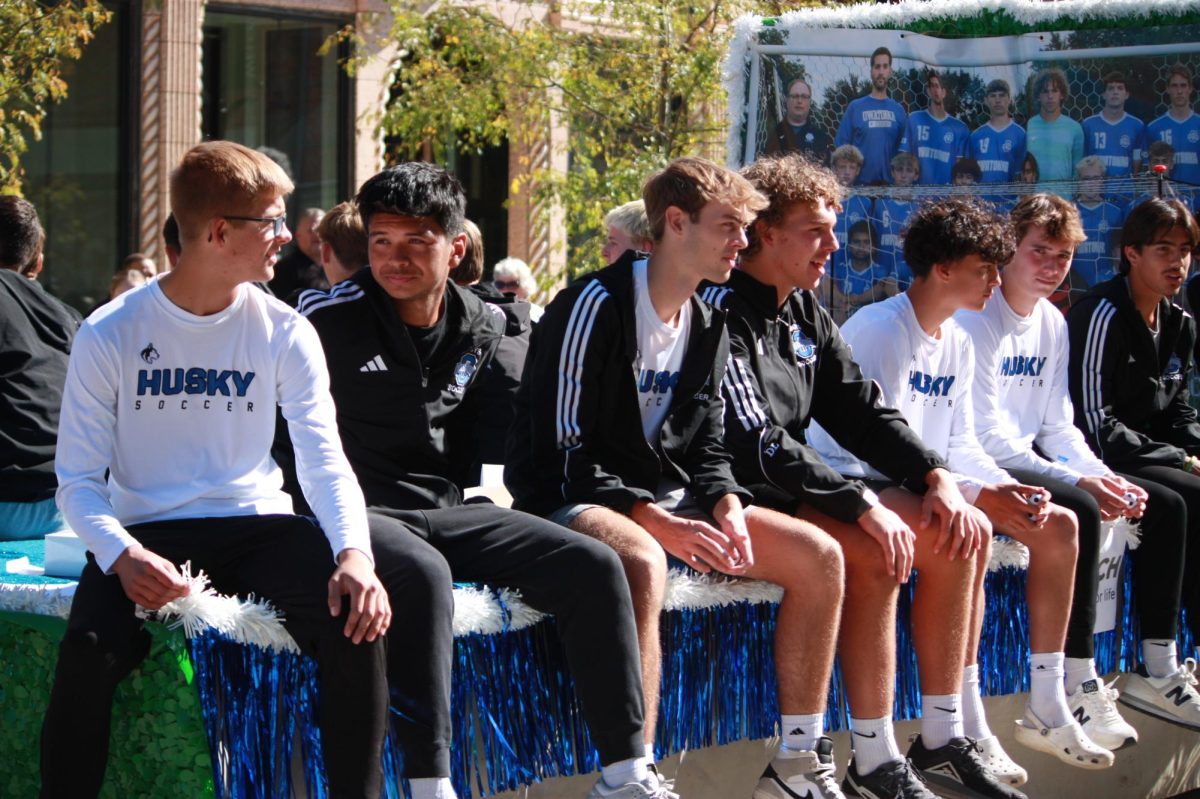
column 171, row 390
column 798, row 131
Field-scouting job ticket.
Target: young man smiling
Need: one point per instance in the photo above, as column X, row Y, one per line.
column 164, row 457
column 789, row 369
column 924, row 364
column 1131, row 351
column 1024, row 419
column 619, row 435
column 409, row 351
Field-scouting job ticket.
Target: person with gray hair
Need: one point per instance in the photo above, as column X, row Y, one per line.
column 513, row 276
column 628, row 229
column 301, row 268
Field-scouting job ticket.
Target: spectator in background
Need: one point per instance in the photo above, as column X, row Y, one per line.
column 1160, row 153
column 999, row 144
column 124, row 280
column 1096, row 258
column 1180, row 126
column 343, row 243
column 863, row 281
column 797, row 131
column 628, row 229
column 171, row 242
column 513, row 276
column 966, row 172
column 36, row 331
column 301, row 268
column 875, row 123
column 1116, row 137
column 1030, row 171
column 1053, row 138
column 470, row 269
column 937, row 139
column 847, row 162
column 141, row 262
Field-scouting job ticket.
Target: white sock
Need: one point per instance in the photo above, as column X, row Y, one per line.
column 974, row 717
column 1159, row 656
column 649, row 754
column 432, row 788
column 1047, row 696
column 941, row 719
column 623, row 772
column 874, row 742
column 800, row 733
column 1079, row 671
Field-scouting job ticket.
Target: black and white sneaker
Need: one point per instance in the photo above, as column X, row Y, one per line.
column 805, row 775
column 896, row 780
column 1174, row 698
column 956, row 771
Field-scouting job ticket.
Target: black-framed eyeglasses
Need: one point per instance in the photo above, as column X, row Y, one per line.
column 278, row 223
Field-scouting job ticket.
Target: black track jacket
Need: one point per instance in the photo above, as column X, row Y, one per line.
column 408, row 428
column 1131, row 398
column 577, row 436
column 789, row 366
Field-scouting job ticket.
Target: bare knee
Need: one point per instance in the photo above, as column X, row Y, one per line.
column 867, row 571
column 645, row 565
column 1061, row 534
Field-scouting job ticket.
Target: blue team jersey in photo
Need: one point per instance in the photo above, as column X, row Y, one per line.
column 851, row 281
column 937, row 145
column 1188, row 197
column 888, row 219
column 854, row 208
column 1118, row 143
column 876, row 127
column 1093, row 260
column 1000, row 153
column 1184, row 137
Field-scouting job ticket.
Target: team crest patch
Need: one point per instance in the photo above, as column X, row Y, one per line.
column 803, row 346
column 1174, row 368
column 464, row 370
column 1007, row 146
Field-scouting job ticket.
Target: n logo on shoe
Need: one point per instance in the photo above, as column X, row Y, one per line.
column 1081, row 716
column 1178, row 695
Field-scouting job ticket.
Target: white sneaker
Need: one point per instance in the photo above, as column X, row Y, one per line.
column 650, row 788
column 997, row 761
column 1068, row 742
column 1174, row 698
column 810, row 772
column 1093, row 704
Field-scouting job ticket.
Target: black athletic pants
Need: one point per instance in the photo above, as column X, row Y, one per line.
column 284, row 559
column 1157, row 563
column 419, row 554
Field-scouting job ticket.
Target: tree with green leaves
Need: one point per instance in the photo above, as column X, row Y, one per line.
column 634, row 82
column 36, row 39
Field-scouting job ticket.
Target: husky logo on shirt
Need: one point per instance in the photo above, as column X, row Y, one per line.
column 803, row 346
column 1023, row 366
column 1174, row 371
column 464, row 370
column 194, row 383
column 929, row 385
column 149, row 354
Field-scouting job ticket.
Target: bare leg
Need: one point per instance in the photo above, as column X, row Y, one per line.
column 1048, row 592
column 807, row 563
column 645, row 565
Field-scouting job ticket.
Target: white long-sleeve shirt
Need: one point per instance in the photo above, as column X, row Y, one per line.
column 1020, row 391
column 926, row 378
column 180, row 409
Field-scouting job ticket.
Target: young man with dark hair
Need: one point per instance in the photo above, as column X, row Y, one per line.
column 408, row 352
column 1053, row 138
column 36, row 331
column 924, row 364
column 861, row 280
column 935, row 137
column 164, row 457
column 798, row 131
column 1131, row 352
column 1180, row 126
column 999, row 144
column 1117, row 138
column 619, row 435
column 874, row 123
column 1024, row 419
column 789, row 368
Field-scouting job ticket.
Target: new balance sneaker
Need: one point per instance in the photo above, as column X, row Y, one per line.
column 1174, row 698
column 806, row 775
column 1068, row 743
column 1094, row 706
column 652, row 787
column 897, row 780
column 997, row 761
column 956, row 771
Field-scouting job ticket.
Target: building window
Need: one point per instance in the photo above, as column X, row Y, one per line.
column 265, row 86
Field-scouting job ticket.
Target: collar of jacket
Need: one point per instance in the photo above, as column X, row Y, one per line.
column 1170, row 316
column 762, row 297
